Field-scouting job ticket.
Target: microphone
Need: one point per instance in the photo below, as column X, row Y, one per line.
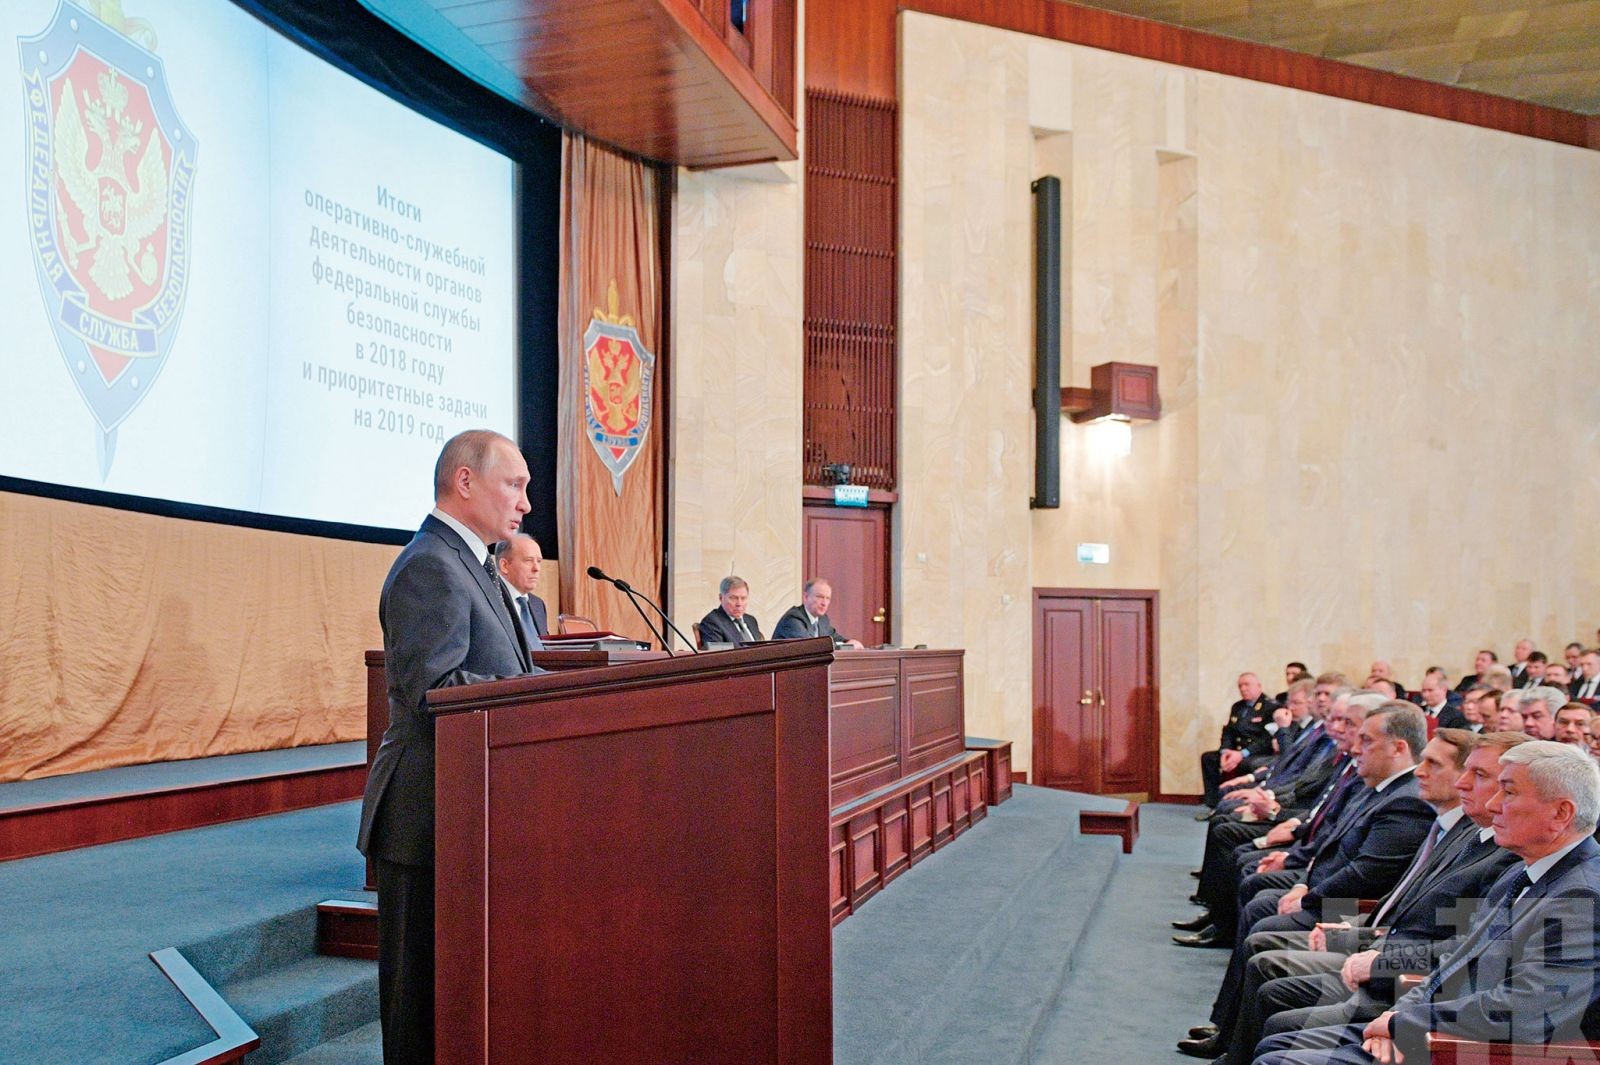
column 634, row 596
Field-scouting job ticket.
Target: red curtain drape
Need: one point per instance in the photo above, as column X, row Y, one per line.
column 611, row 477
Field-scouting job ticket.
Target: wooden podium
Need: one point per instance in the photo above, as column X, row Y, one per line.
column 632, row 863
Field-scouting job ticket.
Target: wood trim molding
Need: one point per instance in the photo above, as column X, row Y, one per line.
column 877, row 497
column 1114, row 32
column 234, row 1038
column 46, row 828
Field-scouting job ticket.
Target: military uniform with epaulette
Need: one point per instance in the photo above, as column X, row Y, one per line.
column 1245, row 731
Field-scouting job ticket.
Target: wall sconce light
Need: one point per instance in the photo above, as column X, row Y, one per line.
column 1111, row 438
column 1120, row 391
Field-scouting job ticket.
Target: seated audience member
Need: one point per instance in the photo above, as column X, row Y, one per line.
column 1303, row 809
column 1481, row 664
column 1382, row 670
column 1556, row 676
column 1539, row 708
column 1519, row 662
column 519, row 561
column 1435, row 700
column 1533, row 670
column 1572, row 725
column 1594, row 737
column 1384, row 685
column 1480, row 705
column 810, row 618
column 1370, row 848
column 1244, row 734
column 1509, row 717
column 1499, row 678
column 1459, row 859
column 1524, row 971
column 728, row 622
column 1292, row 672
column 1587, row 687
column 1570, row 655
column 1300, row 712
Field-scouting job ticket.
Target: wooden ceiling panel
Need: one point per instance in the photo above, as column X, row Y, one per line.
column 1532, row 50
column 652, row 77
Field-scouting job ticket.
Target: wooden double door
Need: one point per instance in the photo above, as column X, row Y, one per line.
column 1094, row 691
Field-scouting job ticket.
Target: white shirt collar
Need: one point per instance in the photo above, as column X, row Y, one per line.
column 1449, row 818
column 475, row 545
column 1543, row 865
column 1435, row 711
column 512, row 592
column 1485, row 834
column 810, row 618
column 1395, row 777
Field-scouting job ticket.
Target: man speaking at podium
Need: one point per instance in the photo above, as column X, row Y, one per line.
column 446, row 621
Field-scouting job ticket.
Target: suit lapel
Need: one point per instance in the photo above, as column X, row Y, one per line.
column 1443, row 859
column 487, row 585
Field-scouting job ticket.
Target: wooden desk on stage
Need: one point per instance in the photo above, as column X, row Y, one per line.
column 631, row 862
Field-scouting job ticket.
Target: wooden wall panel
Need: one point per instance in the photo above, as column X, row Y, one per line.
column 850, row 47
column 852, row 234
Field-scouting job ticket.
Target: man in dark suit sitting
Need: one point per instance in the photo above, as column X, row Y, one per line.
column 1525, row 970
column 728, row 622
column 810, row 618
column 446, row 621
column 519, row 561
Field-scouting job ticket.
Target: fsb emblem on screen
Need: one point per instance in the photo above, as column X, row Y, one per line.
column 110, row 184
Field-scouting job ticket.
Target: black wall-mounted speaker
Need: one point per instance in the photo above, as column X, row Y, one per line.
column 1047, row 343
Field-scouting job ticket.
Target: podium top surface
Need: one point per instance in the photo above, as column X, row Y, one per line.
column 755, row 658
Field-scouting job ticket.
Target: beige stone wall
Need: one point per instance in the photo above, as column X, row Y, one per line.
column 736, row 383
column 1371, row 329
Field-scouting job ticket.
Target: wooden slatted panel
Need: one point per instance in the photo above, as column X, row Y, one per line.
column 851, row 228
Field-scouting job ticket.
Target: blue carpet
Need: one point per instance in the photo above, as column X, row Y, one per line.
column 79, row 925
column 1133, row 993
column 124, row 780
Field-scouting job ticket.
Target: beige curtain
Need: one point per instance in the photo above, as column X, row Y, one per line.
column 129, row 638
column 610, row 474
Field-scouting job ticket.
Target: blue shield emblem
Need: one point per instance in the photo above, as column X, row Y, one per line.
column 110, row 186
column 618, row 373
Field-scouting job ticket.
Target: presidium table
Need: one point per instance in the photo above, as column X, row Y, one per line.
column 640, row 855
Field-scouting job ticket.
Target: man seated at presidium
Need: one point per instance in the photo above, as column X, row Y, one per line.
column 810, row 618
column 519, row 561
column 446, row 621
column 728, row 622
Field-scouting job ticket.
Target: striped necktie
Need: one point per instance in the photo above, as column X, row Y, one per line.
column 1485, row 924
column 1412, row 874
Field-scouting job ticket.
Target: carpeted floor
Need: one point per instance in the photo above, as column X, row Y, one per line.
column 1133, row 993
column 77, row 927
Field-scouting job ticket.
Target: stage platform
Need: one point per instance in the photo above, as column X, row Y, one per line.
column 968, row 956
column 59, row 813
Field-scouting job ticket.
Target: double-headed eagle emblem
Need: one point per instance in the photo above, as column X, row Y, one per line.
column 618, row 371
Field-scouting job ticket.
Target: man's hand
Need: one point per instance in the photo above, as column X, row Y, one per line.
column 1263, row 805
column 857, row 644
column 1283, row 832
column 1230, row 760
column 1377, row 1040
column 1290, row 903
column 1358, row 969
column 1272, row 862
column 1318, row 940
column 1238, row 782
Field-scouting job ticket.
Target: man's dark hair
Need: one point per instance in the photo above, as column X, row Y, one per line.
column 1537, row 656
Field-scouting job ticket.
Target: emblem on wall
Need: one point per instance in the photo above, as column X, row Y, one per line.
column 617, row 374
column 110, row 184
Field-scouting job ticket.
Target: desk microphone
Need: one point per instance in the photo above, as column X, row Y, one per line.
column 634, row 596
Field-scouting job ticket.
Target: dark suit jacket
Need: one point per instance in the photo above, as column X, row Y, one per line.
column 717, row 627
column 1436, row 907
column 1246, row 729
column 1450, row 716
column 1371, row 847
column 444, row 623
column 794, row 626
column 1524, row 972
column 541, row 616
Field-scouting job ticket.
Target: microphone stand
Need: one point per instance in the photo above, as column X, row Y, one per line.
column 634, row 597
column 686, row 641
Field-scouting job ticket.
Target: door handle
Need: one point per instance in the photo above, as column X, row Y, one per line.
column 1088, row 698
column 880, row 617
